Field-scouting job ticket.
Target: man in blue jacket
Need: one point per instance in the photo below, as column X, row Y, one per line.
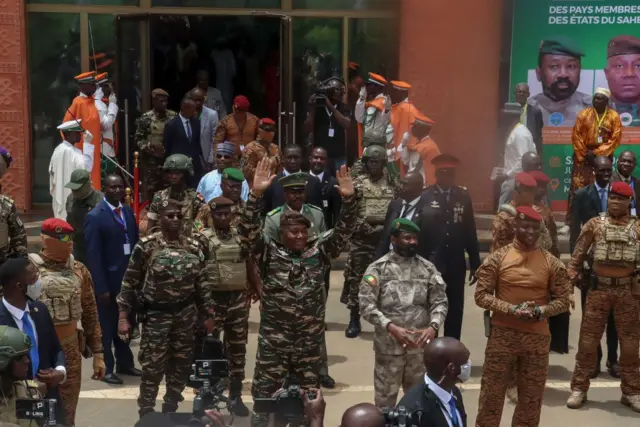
column 110, row 235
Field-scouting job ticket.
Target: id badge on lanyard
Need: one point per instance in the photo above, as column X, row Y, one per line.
column 126, row 248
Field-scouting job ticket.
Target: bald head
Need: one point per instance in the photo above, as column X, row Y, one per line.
column 531, row 161
column 443, row 353
column 362, row 415
column 410, row 186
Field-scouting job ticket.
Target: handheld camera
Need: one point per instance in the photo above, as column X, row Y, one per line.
column 43, row 411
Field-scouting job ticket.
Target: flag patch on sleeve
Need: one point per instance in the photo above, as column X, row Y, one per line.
column 371, row 280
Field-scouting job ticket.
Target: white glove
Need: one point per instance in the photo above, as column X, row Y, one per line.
column 405, row 139
column 113, row 99
column 363, row 92
column 87, row 137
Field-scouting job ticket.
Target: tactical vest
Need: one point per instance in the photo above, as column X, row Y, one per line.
column 6, row 205
column 375, row 128
column 230, row 262
column 61, row 291
column 544, row 241
column 376, row 198
column 618, row 245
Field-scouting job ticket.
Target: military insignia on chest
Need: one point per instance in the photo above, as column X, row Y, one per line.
column 435, row 205
column 458, row 212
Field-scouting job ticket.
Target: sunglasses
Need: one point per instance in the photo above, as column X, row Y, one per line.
column 65, row 238
column 222, row 156
column 175, row 216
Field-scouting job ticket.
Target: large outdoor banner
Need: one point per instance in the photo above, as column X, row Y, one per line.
column 604, row 38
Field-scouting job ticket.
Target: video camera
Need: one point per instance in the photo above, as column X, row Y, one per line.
column 209, row 373
column 326, row 88
column 400, row 417
column 42, row 411
column 288, row 405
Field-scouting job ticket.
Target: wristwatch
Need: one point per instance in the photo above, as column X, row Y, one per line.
column 435, row 326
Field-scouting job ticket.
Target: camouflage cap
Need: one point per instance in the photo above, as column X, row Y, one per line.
column 293, row 180
column 221, row 202
column 375, row 152
column 13, row 343
column 79, row 177
column 233, row 174
column 159, row 92
column 404, row 225
column 178, row 162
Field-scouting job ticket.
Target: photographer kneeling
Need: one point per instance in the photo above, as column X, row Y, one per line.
column 328, row 119
column 447, row 362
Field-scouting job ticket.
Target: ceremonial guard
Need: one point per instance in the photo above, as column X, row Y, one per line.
column 81, row 201
column 403, row 296
column 374, row 190
column 13, row 238
column 150, row 140
column 66, row 288
column 166, row 280
column 292, row 322
column 176, row 168
column 448, row 234
column 521, row 285
column 611, row 240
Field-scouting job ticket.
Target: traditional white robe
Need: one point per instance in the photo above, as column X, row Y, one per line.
column 65, row 159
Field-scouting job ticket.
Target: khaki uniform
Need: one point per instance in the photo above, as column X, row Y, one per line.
column 67, row 291
column 410, row 293
column 614, row 245
column 150, row 140
column 26, row 389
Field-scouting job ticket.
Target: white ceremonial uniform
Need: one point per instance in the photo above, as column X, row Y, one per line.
column 65, row 159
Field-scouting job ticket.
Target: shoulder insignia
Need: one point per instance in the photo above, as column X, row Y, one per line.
column 275, row 211
column 200, row 197
column 462, row 188
column 314, row 207
column 370, row 280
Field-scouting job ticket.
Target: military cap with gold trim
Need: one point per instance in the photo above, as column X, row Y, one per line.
column 233, row 174
column 88, row 77
column 294, row 180
column 404, row 225
column 159, row 92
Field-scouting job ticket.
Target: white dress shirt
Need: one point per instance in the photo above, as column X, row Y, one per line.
column 319, row 176
column 409, row 209
column 519, row 142
column 186, row 124
column 19, row 317
column 113, row 208
column 444, row 397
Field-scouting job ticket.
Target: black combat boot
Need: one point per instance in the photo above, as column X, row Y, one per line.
column 168, row 408
column 353, row 330
column 235, row 395
column 144, row 411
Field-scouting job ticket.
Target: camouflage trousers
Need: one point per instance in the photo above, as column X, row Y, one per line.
column 232, row 319
column 274, row 367
column 152, row 179
column 360, row 256
column 390, row 372
column 70, row 389
column 625, row 307
column 166, row 349
column 510, row 350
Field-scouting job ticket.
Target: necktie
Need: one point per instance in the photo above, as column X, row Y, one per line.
column 603, row 200
column 188, row 129
column 33, row 352
column 117, row 211
column 454, row 413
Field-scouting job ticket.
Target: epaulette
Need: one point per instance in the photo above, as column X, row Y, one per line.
column 314, row 207
column 7, row 199
column 463, row 188
column 508, row 208
column 275, row 211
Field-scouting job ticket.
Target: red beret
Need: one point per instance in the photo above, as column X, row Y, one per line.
column 56, row 227
column 528, row 212
column 241, row 102
column 525, row 180
column 622, row 189
column 266, row 121
column 540, row 177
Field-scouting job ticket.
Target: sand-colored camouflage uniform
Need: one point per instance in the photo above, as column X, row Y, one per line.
column 410, row 293
column 503, row 229
column 168, row 281
column 13, row 238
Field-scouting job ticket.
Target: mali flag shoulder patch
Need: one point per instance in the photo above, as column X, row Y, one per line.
column 370, row 280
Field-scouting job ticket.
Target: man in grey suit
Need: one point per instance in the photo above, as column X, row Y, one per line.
column 208, row 124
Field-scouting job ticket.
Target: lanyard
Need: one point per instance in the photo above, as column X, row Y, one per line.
column 122, row 223
column 330, row 114
column 523, row 115
column 600, row 120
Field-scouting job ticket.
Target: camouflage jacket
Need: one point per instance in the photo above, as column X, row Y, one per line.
column 150, row 131
column 408, row 292
column 164, row 272
column 293, row 300
column 27, row 389
column 503, row 229
column 204, row 218
column 13, row 238
column 191, row 203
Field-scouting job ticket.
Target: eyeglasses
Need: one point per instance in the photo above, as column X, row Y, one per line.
column 175, row 216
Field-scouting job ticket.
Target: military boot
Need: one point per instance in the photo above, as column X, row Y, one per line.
column 168, row 408
column 144, row 411
column 577, row 399
column 353, row 330
column 235, row 395
column 632, row 402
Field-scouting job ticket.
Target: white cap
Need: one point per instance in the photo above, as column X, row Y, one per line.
column 71, row 126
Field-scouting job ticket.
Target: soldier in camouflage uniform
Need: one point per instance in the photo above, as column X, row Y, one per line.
column 230, row 272
column 82, row 199
column 404, row 297
column 374, row 190
column 166, row 280
column 149, row 139
column 176, row 168
column 231, row 186
column 522, row 285
column 293, row 291
column 294, row 186
column 13, row 239
column 612, row 240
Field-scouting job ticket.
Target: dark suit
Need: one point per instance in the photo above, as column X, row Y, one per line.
column 105, row 238
column 586, row 205
column 176, row 141
column 274, row 196
column 330, row 199
column 419, row 397
column 447, row 232
column 535, row 122
column 635, row 184
column 393, row 212
column 49, row 349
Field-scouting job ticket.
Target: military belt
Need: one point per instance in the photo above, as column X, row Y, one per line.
column 613, row 281
column 173, row 307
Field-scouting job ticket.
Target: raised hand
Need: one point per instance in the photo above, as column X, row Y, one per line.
column 262, row 178
column 345, row 182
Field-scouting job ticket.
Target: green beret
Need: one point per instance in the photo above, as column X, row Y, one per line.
column 406, row 225
column 298, row 179
column 561, row 45
column 375, row 152
column 233, row 174
column 220, row 202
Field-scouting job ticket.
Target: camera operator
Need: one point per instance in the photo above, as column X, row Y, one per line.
column 14, row 371
column 328, row 119
column 447, row 362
